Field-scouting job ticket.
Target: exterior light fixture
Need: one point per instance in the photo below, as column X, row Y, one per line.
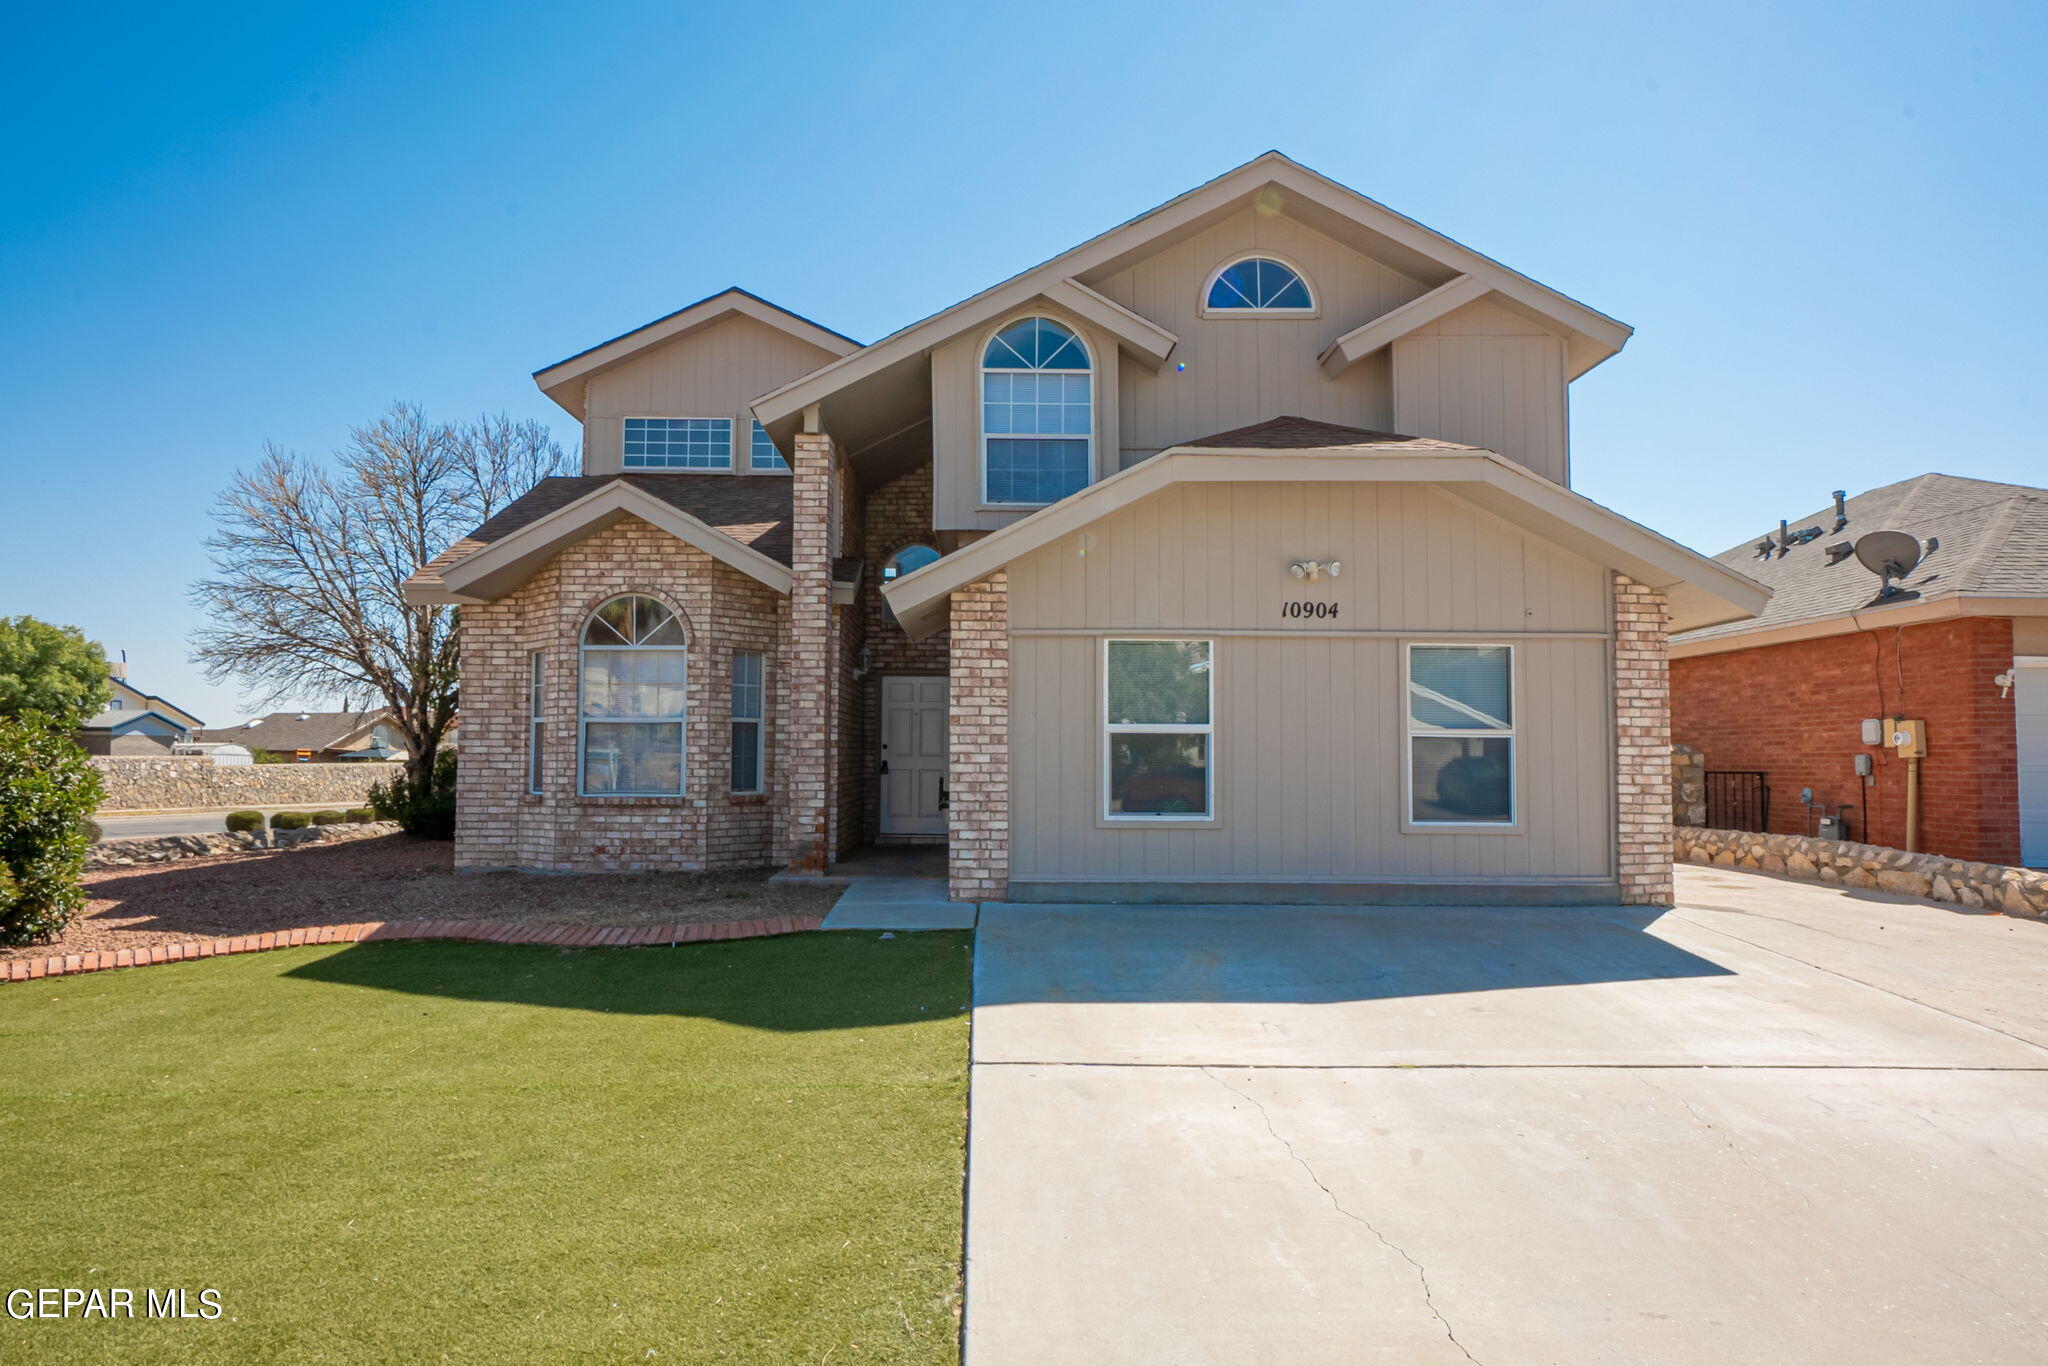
column 1314, row 569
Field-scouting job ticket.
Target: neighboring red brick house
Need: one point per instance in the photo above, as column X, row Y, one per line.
column 1963, row 649
column 1113, row 578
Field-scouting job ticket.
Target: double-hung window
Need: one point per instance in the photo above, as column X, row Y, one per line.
column 762, row 457
column 534, row 721
column 1159, row 731
column 1461, row 734
column 633, row 700
column 678, row 443
column 749, row 698
column 1037, row 414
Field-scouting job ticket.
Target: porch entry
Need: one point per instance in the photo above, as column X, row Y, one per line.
column 913, row 761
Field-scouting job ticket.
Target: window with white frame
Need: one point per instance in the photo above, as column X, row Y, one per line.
column 1159, row 731
column 534, row 721
column 1258, row 284
column 678, row 443
column 1461, row 734
column 633, row 671
column 749, row 704
column 762, row 457
column 1037, row 414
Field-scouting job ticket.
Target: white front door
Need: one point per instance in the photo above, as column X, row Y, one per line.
column 2030, row 728
column 913, row 755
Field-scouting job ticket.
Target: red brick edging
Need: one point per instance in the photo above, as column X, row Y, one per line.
column 561, row 936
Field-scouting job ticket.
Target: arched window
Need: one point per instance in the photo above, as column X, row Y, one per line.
column 1037, row 414
column 908, row 560
column 633, row 709
column 1258, row 284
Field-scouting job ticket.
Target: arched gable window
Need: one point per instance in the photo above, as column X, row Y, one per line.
column 633, row 707
column 1258, row 284
column 1037, row 414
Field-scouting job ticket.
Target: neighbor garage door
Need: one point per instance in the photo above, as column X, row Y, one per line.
column 2030, row 719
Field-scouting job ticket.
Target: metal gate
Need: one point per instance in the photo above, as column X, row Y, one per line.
column 1737, row 800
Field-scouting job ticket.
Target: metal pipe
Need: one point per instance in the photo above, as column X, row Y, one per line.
column 1912, row 806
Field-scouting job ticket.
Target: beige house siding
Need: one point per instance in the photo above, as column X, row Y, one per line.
column 1486, row 376
column 956, row 419
column 1242, row 370
column 713, row 373
column 2030, row 635
column 1309, row 746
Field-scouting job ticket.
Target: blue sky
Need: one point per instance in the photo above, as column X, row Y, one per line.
column 268, row 223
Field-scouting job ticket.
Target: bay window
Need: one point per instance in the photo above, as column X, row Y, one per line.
column 633, row 703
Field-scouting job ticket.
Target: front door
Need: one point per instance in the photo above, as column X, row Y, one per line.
column 913, row 755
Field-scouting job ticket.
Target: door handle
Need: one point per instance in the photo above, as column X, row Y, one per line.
column 885, row 768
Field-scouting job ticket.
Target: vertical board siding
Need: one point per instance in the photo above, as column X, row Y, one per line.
column 1486, row 376
column 716, row 372
column 1310, row 739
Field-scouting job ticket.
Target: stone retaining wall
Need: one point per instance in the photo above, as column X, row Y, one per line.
column 170, row 848
column 1991, row 886
column 153, row 784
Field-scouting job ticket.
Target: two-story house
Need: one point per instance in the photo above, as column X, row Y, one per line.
column 1115, row 577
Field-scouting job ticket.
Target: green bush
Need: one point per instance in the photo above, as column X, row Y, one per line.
column 244, row 820
column 424, row 806
column 329, row 818
column 360, row 815
column 290, row 820
column 48, row 792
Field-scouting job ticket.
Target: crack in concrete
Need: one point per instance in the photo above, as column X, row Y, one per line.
column 1421, row 1275
column 1727, row 1139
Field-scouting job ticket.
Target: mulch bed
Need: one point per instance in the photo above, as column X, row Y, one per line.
column 394, row 878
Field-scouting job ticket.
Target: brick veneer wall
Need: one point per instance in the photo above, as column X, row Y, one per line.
column 1642, row 743
column 978, row 743
column 897, row 514
column 500, row 825
column 1794, row 712
column 813, row 666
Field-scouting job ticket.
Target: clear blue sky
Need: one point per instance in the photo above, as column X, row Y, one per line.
column 219, row 228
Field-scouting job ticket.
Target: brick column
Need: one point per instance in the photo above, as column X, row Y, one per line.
column 812, row 663
column 978, row 743
column 1642, row 743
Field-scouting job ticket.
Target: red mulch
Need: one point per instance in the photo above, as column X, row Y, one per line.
column 395, row 877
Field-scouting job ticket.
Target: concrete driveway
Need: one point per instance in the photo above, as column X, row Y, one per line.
column 1779, row 1124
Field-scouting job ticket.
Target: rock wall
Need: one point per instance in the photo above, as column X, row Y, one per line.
column 1991, row 886
column 170, row 848
column 1688, row 786
column 169, row 784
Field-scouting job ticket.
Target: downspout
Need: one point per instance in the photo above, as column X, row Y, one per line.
column 1912, row 806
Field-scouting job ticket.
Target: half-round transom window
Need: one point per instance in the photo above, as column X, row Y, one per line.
column 908, row 560
column 1260, row 283
column 633, row 708
column 1037, row 414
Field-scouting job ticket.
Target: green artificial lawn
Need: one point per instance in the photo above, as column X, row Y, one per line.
column 408, row 1152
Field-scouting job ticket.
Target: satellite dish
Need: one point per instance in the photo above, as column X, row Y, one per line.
column 1889, row 555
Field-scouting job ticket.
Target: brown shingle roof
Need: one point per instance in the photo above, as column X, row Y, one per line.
column 1288, row 433
column 290, row 730
column 1994, row 540
column 752, row 509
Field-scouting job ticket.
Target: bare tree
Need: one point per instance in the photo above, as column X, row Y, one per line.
column 309, row 560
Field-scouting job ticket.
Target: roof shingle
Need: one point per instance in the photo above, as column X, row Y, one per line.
column 1288, row 433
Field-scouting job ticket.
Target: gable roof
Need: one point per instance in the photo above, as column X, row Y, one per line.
column 126, row 720
column 563, row 381
column 163, row 706
column 1296, row 449
column 1320, row 202
column 292, row 730
column 1993, row 544
column 743, row 520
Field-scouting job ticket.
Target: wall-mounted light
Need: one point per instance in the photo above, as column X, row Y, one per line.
column 1315, row 569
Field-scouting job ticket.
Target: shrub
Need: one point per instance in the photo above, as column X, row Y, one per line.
column 48, row 792
column 239, row 821
column 329, row 818
column 360, row 815
column 423, row 806
column 290, row 820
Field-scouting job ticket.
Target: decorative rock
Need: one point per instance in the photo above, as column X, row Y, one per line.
column 2015, row 891
column 170, row 848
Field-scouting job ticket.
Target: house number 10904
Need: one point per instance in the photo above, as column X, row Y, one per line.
column 1308, row 609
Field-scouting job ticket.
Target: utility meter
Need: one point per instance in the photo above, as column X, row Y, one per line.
column 1907, row 738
